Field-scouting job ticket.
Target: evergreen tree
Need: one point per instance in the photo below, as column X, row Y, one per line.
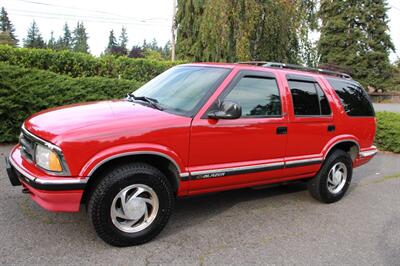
column 51, row 44
column 379, row 46
column 5, row 39
column 394, row 83
column 123, row 40
column 7, row 28
column 59, row 44
column 166, row 51
column 34, row 38
column 154, row 45
column 354, row 37
column 80, row 39
column 145, row 45
column 114, row 47
column 66, row 42
column 112, row 42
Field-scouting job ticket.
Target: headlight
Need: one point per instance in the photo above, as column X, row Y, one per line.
column 47, row 159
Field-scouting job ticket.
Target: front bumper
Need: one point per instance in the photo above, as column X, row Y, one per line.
column 12, row 175
column 52, row 193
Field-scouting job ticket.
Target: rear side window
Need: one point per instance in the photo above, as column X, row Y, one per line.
column 353, row 97
column 308, row 99
column 258, row 97
column 323, row 101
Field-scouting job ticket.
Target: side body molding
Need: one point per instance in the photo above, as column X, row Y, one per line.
column 150, row 149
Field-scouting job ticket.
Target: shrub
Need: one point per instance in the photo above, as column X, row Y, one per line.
column 84, row 65
column 388, row 131
column 24, row 92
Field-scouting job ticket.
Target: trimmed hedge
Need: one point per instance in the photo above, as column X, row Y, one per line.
column 24, row 92
column 388, row 131
column 84, row 65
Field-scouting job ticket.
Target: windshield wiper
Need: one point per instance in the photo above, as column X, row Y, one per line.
column 151, row 101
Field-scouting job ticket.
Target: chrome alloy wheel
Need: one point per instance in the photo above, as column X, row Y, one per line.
column 134, row 208
column 337, row 178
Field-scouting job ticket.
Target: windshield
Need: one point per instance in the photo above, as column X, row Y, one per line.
column 182, row 88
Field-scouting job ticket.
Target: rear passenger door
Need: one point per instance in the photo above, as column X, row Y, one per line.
column 310, row 127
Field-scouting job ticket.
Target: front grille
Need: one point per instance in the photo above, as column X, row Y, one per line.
column 27, row 147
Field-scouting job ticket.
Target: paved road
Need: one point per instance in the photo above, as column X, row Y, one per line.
column 281, row 225
column 390, row 107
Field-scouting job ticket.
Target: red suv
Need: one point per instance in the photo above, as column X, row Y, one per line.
column 195, row 129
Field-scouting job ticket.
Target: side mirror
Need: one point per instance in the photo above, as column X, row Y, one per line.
column 226, row 110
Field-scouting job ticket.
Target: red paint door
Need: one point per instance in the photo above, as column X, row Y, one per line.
column 227, row 154
column 311, row 125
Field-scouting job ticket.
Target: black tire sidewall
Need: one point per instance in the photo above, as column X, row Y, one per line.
column 337, row 157
column 318, row 186
column 146, row 176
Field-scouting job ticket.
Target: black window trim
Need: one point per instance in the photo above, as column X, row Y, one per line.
column 295, row 77
column 307, row 79
column 319, row 102
column 245, row 74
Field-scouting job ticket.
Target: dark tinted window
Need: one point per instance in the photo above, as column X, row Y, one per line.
column 353, row 97
column 257, row 97
column 308, row 99
column 323, row 101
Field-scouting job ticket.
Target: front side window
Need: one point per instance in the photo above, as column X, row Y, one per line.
column 308, row 99
column 258, row 97
column 353, row 97
column 181, row 89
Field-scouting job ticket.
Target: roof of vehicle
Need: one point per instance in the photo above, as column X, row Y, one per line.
column 286, row 68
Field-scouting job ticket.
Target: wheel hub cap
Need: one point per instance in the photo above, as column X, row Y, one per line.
column 337, row 178
column 134, row 208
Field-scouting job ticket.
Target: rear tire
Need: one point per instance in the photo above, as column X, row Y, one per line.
column 131, row 205
column 333, row 179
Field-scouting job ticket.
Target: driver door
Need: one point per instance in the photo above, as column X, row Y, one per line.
column 250, row 150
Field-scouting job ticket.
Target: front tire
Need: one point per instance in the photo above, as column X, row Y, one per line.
column 131, row 204
column 333, row 179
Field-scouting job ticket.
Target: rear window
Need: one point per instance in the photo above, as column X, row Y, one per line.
column 354, row 99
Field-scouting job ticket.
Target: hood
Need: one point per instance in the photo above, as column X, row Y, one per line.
column 92, row 119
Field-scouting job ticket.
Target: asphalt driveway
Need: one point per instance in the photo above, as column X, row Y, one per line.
column 280, row 225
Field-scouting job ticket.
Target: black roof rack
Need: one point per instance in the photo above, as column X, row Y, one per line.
column 298, row 67
column 253, row 63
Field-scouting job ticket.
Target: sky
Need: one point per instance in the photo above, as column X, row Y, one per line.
column 144, row 19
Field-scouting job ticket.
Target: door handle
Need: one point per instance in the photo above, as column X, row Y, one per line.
column 331, row 128
column 281, row 130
